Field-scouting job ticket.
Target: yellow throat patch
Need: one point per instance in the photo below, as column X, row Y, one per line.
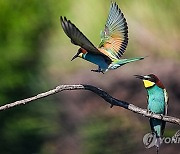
column 148, row 83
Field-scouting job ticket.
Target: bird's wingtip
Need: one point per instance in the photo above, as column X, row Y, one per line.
column 65, row 18
column 61, row 18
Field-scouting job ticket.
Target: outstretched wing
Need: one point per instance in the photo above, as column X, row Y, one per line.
column 77, row 37
column 114, row 39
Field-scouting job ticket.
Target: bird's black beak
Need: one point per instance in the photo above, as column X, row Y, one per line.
column 75, row 56
column 139, row 77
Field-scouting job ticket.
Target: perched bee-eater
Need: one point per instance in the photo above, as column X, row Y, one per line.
column 157, row 103
column 114, row 40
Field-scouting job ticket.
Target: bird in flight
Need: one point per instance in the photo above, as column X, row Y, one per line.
column 157, row 103
column 114, row 40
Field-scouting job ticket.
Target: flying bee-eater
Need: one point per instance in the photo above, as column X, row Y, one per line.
column 157, row 99
column 114, row 40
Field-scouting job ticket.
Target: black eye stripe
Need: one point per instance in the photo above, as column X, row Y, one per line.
column 152, row 79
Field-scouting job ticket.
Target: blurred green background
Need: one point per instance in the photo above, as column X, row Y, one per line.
column 35, row 57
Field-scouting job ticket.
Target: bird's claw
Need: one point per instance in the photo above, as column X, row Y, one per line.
column 149, row 112
column 98, row 71
column 161, row 115
column 95, row 70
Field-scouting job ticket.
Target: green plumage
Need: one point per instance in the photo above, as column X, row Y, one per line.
column 156, row 104
column 114, row 40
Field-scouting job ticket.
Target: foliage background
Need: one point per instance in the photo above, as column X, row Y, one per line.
column 35, row 56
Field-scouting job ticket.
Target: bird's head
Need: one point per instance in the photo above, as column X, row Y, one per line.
column 150, row 80
column 80, row 53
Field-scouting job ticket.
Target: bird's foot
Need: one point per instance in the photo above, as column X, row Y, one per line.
column 161, row 115
column 98, row 71
column 149, row 112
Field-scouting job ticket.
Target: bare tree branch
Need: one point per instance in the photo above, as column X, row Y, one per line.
column 113, row 101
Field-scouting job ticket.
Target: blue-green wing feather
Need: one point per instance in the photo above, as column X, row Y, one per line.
column 114, row 38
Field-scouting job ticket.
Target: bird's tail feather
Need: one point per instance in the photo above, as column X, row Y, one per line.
column 125, row 61
column 120, row 62
column 158, row 142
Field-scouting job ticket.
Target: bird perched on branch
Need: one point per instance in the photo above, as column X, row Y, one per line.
column 157, row 103
column 114, row 40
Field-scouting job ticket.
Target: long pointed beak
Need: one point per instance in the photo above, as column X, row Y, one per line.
column 139, row 77
column 75, row 56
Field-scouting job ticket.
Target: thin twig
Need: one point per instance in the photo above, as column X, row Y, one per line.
column 108, row 98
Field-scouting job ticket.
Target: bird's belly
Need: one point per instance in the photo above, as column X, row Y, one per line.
column 156, row 106
column 98, row 60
